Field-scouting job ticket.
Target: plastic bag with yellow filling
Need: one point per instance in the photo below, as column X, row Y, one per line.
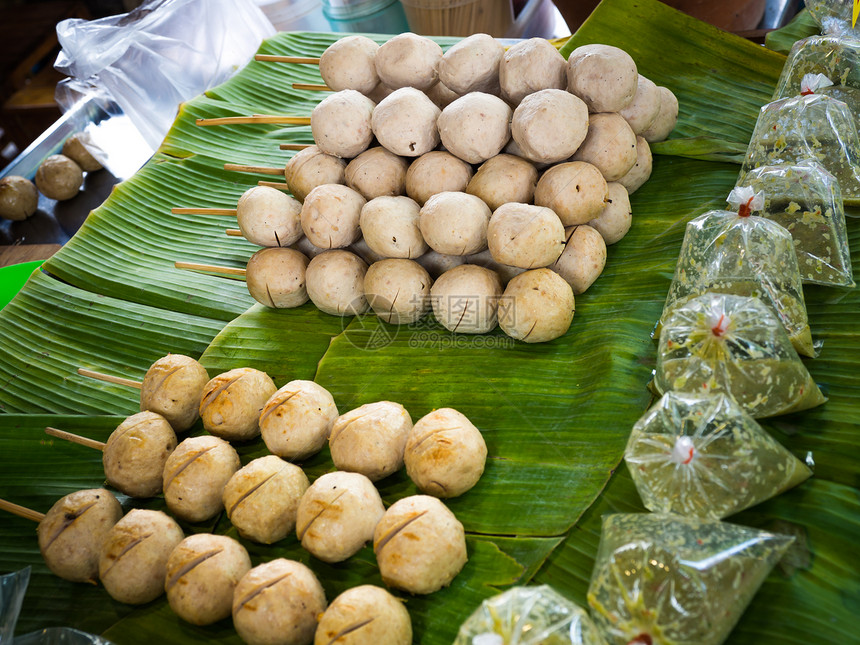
column 834, row 16
column 734, row 252
column 529, row 616
column 701, row 455
column 669, row 580
column 838, row 59
column 807, row 200
column 734, row 345
column 815, row 126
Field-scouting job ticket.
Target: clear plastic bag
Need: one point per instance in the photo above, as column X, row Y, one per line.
column 158, row 55
column 13, row 586
column 836, row 58
column 733, row 345
column 834, row 16
column 701, row 455
column 808, row 127
column 807, row 200
column 529, row 616
column 668, row 580
column 732, row 252
column 60, row 636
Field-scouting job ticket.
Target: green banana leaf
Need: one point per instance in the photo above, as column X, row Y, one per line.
column 555, row 416
column 801, row 26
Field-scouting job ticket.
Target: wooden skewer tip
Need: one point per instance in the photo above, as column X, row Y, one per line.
column 301, row 60
column 312, row 87
column 256, row 118
column 75, row 438
column 209, row 268
column 107, row 378
column 273, row 184
column 265, row 170
column 203, row 211
column 21, row 511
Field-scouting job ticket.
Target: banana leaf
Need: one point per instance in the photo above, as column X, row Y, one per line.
column 556, row 416
column 801, row 26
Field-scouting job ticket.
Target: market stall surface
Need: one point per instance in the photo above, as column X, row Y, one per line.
column 555, row 416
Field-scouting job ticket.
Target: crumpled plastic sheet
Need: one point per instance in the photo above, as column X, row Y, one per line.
column 666, row 580
column 736, row 346
column 701, row 455
column 807, row 200
column 158, row 55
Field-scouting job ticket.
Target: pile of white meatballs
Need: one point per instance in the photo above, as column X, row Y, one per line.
column 419, row 544
column 510, row 215
column 58, row 177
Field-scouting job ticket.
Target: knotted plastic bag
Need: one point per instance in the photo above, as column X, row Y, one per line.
column 833, row 16
column 806, row 199
column 158, row 55
column 745, row 255
column 833, row 58
column 701, row 455
column 815, row 127
column 733, row 345
column 529, row 616
column 668, row 580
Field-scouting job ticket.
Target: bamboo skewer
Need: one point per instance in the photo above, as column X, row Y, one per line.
column 233, row 232
column 256, row 118
column 209, row 268
column 75, row 438
column 21, row 511
column 312, row 87
column 303, row 60
column 274, row 184
column 203, row 211
column 295, row 146
column 264, row 170
column 107, row 378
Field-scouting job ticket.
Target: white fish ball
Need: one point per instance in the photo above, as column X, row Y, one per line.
column 549, row 125
column 436, row 172
column 539, row 306
column 348, row 64
column 310, row 168
column 404, row 122
column 603, row 76
column 337, row 515
column 530, row 66
column 408, row 60
column 202, row 573
column 475, row 127
column 340, row 123
column 297, row 420
column 335, row 283
column 472, row 65
column 269, row 217
column 232, row 401
column 172, row 387
column 465, row 299
column 195, row 475
column 376, row 172
column 370, row 439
